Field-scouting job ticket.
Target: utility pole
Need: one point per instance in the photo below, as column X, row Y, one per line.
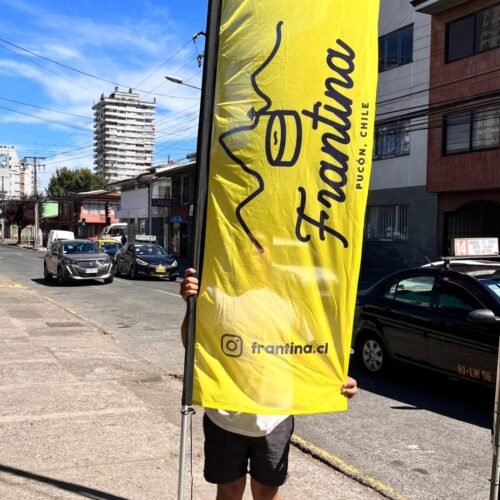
column 36, row 166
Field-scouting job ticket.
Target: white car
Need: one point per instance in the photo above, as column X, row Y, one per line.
column 58, row 234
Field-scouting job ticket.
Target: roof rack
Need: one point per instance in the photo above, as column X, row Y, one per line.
column 468, row 259
column 145, row 238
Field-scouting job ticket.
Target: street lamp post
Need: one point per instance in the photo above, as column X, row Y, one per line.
column 179, row 81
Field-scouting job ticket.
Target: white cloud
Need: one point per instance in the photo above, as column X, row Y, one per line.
column 126, row 51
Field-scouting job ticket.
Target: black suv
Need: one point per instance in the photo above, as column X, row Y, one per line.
column 443, row 316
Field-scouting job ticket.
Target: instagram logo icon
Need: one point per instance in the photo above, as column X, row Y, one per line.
column 231, row 345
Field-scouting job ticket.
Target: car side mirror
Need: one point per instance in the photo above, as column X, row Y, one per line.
column 485, row 316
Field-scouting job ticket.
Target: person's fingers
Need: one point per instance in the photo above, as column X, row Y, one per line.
column 189, row 272
column 189, row 285
column 350, row 388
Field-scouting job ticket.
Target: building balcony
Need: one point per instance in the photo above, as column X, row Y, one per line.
column 434, row 7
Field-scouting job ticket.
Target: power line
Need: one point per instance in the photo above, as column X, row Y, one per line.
column 434, row 87
column 81, row 72
column 455, row 104
column 68, row 152
column 44, row 119
column 163, row 63
column 46, row 109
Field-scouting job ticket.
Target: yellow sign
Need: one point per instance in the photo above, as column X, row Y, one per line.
column 288, row 182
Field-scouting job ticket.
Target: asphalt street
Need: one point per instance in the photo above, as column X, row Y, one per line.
column 84, row 414
column 411, row 435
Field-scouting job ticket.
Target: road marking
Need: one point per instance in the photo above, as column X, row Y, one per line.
column 346, row 469
column 9, row 284
column 121, row 280
column 154, row 289
column 168, row 293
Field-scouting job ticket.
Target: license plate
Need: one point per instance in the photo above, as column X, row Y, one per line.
column 160, row 269
column 90, row 271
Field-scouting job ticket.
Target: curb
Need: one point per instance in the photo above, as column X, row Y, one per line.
column 346, row 469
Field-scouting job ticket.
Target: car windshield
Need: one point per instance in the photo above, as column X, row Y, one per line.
column 79, row 247
column 494, row 286
column 150, row 250
column 110, row 246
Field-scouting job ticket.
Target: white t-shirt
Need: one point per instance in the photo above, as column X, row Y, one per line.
column 246, row 424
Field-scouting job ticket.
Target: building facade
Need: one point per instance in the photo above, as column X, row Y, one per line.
column 86, row 214
column 401, row 217
column 16, row 176
column 123, row 135
column 463, row 153
column 161, row 203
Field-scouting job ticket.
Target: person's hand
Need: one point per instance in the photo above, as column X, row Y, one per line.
column 189, row 285
column 350, row 388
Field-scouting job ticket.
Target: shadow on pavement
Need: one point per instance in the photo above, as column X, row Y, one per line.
column 419, row 389
column 63, row 485
column 53, row 283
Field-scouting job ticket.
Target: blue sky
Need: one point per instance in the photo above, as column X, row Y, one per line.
column 45, row 108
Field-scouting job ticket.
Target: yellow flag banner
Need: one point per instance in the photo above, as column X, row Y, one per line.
column 288, row 178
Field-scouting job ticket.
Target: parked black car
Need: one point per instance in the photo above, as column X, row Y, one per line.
column 443, row 317
column 77, row 260
column 147, row 259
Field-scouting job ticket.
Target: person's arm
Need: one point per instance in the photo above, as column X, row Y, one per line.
column 350, row 388
column 189, row 287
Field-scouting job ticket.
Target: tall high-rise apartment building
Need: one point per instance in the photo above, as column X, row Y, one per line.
column 123, row 135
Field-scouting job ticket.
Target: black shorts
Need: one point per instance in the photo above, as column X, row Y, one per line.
column 229, row 456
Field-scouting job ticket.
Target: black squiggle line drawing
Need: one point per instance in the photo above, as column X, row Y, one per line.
column 272, row 138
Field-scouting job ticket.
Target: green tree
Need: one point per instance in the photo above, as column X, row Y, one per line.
column 20, row 213
column 69, row 181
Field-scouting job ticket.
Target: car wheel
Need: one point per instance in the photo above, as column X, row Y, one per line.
column 109, row 280
column 60, row 276
column 172, row 278
column 47, row 276
column 132, row 274
column 371, row 353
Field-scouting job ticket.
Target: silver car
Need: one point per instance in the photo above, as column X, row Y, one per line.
column 77, row 260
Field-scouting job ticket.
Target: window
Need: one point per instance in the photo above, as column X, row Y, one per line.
column 392, row 140
column 386, row 223
column 472, row 130
column 454, row 299
column 163, row 188
column 473, row 34
column 416, row 291
column 187, row 189
column 395, row 49
column 176, row 189
column 94, row 207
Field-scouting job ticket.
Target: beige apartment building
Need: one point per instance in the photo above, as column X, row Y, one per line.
column 123, row 135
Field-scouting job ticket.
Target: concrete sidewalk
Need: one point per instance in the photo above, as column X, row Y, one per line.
column 82, row 417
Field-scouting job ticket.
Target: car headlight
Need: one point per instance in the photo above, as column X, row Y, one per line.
column 174, row 264
column 141, row 262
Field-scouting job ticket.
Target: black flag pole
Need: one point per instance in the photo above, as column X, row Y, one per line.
column 202, row 168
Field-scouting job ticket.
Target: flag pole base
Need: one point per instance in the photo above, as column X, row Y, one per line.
column 186, row 412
